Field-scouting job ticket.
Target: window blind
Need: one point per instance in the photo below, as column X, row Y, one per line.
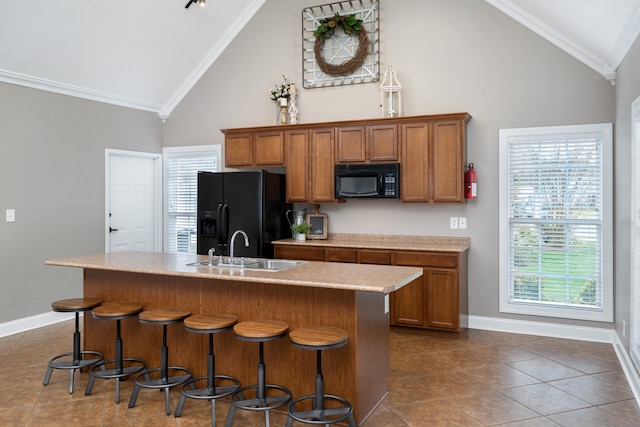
column 555, row 222
column 182, row 197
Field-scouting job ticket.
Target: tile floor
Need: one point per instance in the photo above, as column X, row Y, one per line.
column 478, row 378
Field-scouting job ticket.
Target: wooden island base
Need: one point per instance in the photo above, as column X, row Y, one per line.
column 357, row 371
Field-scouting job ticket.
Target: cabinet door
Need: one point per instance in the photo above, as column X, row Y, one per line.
column 407, row 304
column 383, row 143
column 374, row 256
column 321, row 158
column 238, row 150
column 414, row 176
column 442, row 299
column 299, row 252
column 448, row 161
column 351, row 144
column 269, row 148
column 297, row 146
column 342, row 255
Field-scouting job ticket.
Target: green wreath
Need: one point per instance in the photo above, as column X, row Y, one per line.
column 351, row 26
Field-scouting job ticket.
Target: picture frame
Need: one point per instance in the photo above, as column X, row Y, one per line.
column 318, row 222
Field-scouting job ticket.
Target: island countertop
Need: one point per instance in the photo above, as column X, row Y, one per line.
column 356, row 277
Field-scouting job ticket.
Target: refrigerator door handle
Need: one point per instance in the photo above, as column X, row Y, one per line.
column 220, row 225
column 225, row 224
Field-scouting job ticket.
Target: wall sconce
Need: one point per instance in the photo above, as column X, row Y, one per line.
column 390, row 94
column 201, row 3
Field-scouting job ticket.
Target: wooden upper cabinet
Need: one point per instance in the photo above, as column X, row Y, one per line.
column 321, row 159
column 269, row 148
column 383, row 143
column 297, row 147
column 238, row 149
column 431, row 151
column 351, row 144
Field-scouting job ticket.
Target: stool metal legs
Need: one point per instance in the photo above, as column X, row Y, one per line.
column 165, row 380
column 261, row 402
column 211, row 391
column 318, row 414
column 78, row 360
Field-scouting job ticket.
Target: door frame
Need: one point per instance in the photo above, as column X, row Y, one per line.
column 157, row 189
column 634, row 332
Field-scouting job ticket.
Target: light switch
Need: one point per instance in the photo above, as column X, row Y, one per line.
column 453, row 222
column 462, row 222
column 11, row 215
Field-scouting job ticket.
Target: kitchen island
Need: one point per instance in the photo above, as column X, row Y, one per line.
column 352, row 297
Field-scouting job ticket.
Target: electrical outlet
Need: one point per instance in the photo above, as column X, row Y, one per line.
column 11, row 215
column 462, row 222
column 453, row 222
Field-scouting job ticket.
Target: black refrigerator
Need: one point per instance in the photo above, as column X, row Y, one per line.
column 252, row 201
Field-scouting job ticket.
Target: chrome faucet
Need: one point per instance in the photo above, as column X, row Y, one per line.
column 211, row 252
column 233, row 238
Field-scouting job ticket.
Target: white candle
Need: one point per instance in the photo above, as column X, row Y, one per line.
column 292, row 88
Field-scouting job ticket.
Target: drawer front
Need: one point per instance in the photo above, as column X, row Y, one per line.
column 426, row 259
column 370, row 256
column 298, row 252
column 342, row 255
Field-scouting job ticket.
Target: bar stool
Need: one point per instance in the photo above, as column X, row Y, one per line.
column 168, row 376
column 120, row 367
column 79, row 358
column 320, row 338
column 259, row 331
column 209, row 324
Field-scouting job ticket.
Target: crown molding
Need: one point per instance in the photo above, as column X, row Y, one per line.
column 210, row 58
column 75, row 91
column 581, row 53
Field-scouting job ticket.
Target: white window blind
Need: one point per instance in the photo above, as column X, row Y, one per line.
column 554, row 228
column 181, row 191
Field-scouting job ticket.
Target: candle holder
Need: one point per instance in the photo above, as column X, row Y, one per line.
column 293, row 109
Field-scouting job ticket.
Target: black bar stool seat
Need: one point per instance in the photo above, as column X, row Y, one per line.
column 259, row 331
column 320, row 338
column 119, row 367
column 216, row 386
column 76, row 359
column 166, row 376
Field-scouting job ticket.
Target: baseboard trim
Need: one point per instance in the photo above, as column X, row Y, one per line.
column 567, row 332
column 33, row 322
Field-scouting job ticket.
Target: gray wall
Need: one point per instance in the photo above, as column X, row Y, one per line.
column 52, row 173
column 627, row 90
column 450, row 56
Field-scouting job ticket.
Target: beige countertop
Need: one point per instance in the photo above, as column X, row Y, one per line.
column 389, row 242
column 358, row 277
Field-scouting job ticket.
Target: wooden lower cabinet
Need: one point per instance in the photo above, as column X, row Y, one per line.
column 437, row 300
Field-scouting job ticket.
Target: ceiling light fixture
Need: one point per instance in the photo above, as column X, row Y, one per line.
column 202, row 3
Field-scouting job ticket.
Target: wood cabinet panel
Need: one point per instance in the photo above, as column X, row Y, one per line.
column 407, row 304
column 321, row 159
column 297, row 182
column 426, row 259
column 442, row 298
column 341, row 255
column 414, row 171
column 448, row 163
column 299, row 252
column 269, row 148
column 383, row 143
column 238, row 149
column 351, row 144
column 374, row 256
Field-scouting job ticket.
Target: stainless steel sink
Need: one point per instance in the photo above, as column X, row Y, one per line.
column 255, row 264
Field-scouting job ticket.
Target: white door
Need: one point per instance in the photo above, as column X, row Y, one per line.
column 133, row 201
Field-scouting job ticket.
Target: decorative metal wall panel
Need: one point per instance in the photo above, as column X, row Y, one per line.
column 341, row 47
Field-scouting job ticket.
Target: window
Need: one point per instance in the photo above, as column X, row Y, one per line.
column 556, row 222
column 181, row 166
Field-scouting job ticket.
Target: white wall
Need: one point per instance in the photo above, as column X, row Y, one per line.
column 450, row 56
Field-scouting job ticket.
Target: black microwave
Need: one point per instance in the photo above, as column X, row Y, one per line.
column 375, row 180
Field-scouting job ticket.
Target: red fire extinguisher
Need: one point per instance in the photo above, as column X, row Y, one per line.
column 470, row 183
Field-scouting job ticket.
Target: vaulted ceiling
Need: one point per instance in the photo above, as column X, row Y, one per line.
column 148, row 54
